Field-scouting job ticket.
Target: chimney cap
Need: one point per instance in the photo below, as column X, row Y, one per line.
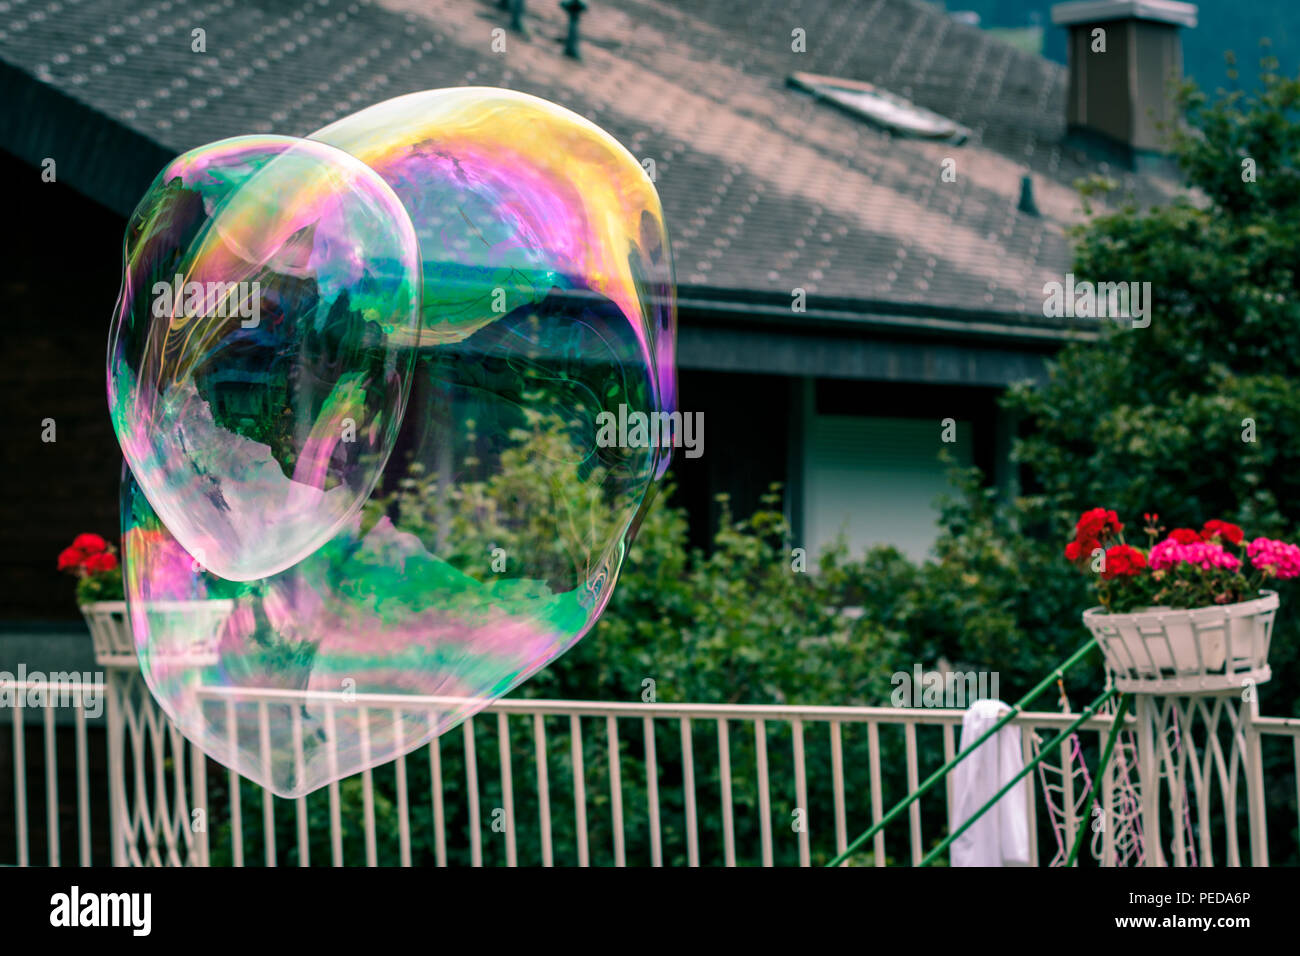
column 1103, row 11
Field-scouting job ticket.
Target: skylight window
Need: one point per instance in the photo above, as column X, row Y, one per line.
column 881, row 107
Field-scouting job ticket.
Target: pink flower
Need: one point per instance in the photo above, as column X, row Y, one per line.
column 1276, row 559
column 1202, row 554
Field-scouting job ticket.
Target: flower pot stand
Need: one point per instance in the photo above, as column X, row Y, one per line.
column 1194, row 676
column 152, row 820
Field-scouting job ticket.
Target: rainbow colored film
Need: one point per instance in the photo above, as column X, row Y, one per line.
column 352, row 525
column 257, row 363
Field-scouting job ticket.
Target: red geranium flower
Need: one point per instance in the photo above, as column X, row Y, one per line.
column 1093, row 529
column 70, row 559
column 89, row 544
column 1123, row 561
column 98, row 563
column 88, row 554
column 1185, row 536
column 1097, row 523
column 1222, row 529
column 1077, row 551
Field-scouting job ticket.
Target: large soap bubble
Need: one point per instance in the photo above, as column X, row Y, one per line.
column 495, row 536
column 259, row 358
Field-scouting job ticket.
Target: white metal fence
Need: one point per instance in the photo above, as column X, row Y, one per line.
column 585, row 783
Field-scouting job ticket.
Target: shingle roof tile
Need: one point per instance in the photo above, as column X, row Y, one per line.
column 765, row 189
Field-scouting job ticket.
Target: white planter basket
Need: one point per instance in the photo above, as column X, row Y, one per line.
column 110, row 629
column 1207, row 649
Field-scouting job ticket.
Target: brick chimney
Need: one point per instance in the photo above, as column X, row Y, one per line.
column 1122, row 57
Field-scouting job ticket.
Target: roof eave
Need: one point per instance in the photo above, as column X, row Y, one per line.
column 97, row 155
column 827, row 314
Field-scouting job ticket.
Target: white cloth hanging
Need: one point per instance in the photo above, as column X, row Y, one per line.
column 1001, row 836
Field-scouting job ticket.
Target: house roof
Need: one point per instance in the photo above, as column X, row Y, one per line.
column 766, row 189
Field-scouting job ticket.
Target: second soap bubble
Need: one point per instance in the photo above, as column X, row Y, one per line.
column 259, row 359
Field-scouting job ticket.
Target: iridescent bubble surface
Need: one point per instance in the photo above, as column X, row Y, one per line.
column 495, row 535
column 258, row 365
column 516, row 200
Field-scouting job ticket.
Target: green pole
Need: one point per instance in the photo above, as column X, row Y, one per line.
column 1042, row 753
column 939, row 774
column 1101, row 769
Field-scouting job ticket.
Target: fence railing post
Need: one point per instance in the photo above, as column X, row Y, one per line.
column 118, row 827
column 1255, row 782
column 1149, row 780
column 199, row 802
